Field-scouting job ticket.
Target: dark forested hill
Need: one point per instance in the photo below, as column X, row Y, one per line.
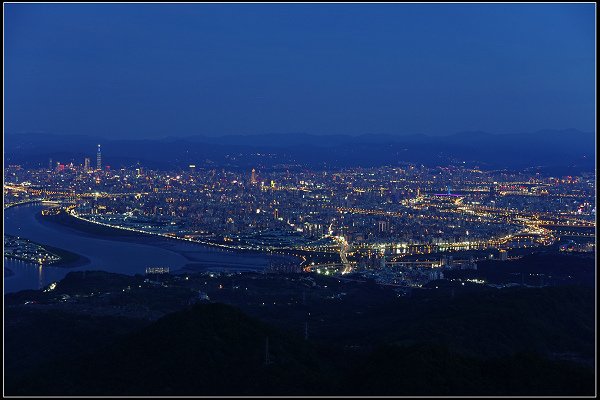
column 537, row 341
column 208, row 349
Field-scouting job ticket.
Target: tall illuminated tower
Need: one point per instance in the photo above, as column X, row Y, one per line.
column 99, row 159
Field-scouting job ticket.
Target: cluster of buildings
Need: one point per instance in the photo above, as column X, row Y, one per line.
column 394, row 211
column 25, row 250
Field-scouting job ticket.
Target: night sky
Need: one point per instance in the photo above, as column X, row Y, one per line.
column 155, row 70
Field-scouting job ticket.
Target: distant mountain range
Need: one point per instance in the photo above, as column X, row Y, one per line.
column 549, row 150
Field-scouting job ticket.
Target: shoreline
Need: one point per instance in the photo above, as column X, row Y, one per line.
column 176, row 245
column 68, row 259
column 73, row 260
column 120, row 234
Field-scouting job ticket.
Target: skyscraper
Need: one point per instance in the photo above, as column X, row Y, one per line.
column 253, row 177
column 99, row 159
column 86, row 164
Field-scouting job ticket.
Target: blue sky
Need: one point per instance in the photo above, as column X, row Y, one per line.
column 155, row 70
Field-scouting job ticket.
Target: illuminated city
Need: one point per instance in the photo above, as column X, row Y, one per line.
column 355, row 219
column 298, row 199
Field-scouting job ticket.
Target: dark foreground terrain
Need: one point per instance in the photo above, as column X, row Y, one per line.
column 98, row 333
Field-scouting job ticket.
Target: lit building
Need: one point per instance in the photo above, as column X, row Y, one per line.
column 253, row 177
column 86, row 164
column 98, row 159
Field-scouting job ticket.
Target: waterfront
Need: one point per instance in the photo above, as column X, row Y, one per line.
column 125, row 257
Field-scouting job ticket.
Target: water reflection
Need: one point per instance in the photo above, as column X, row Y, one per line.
column 105, row 254
column 40, row 277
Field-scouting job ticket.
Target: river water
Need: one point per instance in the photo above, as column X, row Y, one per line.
column 124, row 257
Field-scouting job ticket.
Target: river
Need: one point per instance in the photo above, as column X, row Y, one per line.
column 126, row 257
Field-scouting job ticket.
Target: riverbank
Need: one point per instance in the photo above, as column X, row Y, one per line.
column 67, row 258
column 164, row 241
column 121, row 251
column 21, row 203
column 117, row 256
column 90, row 229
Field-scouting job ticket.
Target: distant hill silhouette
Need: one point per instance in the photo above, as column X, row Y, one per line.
column 549, row 149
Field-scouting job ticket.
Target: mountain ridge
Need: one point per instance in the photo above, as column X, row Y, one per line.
column 550, row 148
